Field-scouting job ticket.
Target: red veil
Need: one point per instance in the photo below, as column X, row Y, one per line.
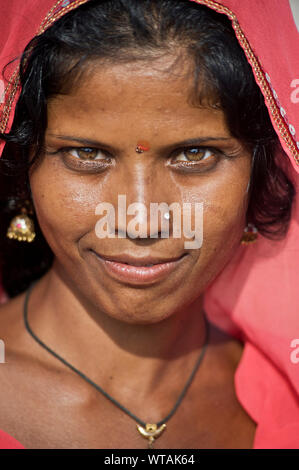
column 256, row 296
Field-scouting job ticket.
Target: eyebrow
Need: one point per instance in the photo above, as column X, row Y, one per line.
column 193, row 141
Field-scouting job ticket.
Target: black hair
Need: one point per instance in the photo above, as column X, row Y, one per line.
column 132, row 30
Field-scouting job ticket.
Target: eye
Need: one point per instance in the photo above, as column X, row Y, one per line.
column 84, row 159
column 196, row 154
column 85, row 153
column 196, row 159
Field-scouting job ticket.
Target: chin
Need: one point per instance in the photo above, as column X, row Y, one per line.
column 137, row 319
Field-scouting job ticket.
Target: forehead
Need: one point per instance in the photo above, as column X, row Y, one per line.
column 155, row 93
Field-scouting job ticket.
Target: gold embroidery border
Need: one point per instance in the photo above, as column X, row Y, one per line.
column 14, row 81
column 263, row 83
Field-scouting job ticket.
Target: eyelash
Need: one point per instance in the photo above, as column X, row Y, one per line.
column 197, row 163
column 181, row 164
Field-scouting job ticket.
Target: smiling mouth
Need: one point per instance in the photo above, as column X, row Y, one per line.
column 147, row 261
column 141, row 272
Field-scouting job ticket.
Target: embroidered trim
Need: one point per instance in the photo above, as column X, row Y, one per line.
column 14, row 81
column 285, row 130
column 283, row 112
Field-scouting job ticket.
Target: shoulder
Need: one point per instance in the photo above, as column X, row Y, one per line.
column 11, row 323
column 12, row 346
column 225, row 350
column 15, row 347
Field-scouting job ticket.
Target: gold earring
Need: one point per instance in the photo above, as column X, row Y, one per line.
column 21, row 227
column 250, row 235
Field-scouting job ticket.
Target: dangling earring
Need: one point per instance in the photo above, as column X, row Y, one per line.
column 21, row 227
column 250, row 234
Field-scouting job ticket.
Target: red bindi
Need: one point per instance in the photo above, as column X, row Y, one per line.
column 142, row 146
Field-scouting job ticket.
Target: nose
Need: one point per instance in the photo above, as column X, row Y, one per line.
column 149, row 221
column 144, row 201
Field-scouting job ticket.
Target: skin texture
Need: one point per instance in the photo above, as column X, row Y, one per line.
column 155, row 331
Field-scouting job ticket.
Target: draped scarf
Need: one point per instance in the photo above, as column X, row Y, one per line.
column 256, row 296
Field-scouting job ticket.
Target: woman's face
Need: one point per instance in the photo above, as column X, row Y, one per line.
column 91, row 139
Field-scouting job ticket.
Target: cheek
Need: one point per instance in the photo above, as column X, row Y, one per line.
column 225, row 211
column 64, row 205
column 225, row 202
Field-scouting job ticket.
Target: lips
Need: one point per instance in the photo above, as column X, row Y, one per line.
column 139, row 261
column 133, row 270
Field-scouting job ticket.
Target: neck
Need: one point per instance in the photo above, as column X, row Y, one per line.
column 87, row 337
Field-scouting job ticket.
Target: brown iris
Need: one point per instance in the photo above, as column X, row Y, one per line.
column 195, row 154
column 87, row 154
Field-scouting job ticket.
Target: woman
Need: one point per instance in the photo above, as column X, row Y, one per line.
column 158, row 100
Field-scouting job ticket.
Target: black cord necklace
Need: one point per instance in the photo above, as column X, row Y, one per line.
column 147, row 430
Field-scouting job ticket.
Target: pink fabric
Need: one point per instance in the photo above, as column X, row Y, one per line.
column 9, row 442
column 255, row 297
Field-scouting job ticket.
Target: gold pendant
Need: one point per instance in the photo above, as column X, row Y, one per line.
column 21, row 228
column 151, row 432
